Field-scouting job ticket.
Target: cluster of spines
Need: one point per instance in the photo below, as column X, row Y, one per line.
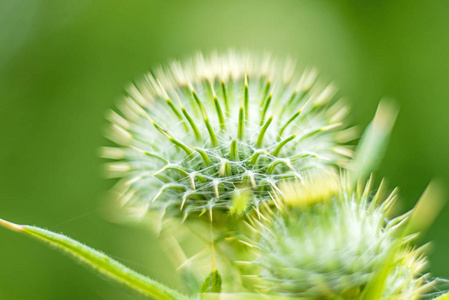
column 234, row 146
column 276, row 272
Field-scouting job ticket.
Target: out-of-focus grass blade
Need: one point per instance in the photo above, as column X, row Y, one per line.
column 98, row 261
column 374, row 289
column 374, row 141
column 428, row 207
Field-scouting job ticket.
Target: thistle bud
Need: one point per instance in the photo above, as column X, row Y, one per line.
column 337, row 246
column 191, row 133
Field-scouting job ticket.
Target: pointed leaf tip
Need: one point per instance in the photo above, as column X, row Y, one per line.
column 428, row 207
column 11, row 226
column 212, row 284
column 374, row 141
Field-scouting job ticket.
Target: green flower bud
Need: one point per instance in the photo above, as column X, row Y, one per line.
column 336, row 246
column 189, row 134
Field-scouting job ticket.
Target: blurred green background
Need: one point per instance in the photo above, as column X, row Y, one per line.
column 64, row 63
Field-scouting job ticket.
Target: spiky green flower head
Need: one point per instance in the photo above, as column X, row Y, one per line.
column 329, row 241
column 189, row 134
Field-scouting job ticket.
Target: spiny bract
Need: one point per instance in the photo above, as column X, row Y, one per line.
column 335, row 246
column 190, row 134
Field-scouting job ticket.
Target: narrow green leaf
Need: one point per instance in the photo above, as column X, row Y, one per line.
column 98, row 261
column 374, row 141
column 374, row 289
column 212, row 284
column 427, row 208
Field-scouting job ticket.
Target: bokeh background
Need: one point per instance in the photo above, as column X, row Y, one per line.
column 64, row 63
